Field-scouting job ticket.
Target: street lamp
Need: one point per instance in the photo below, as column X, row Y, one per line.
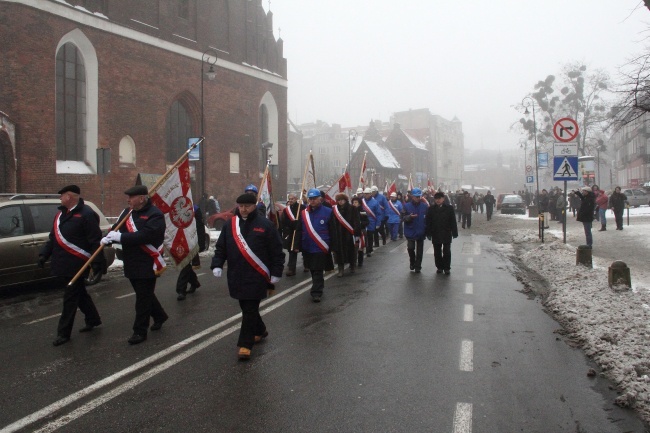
column 351, row 133
column 211, row 74
column 530, row 102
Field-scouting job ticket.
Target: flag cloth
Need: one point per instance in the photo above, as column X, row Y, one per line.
column 392, row 188
column 174, row 198
column 309, row 178
column 340, row 186
column 266, row 196
column 362, row 180
column 410, row 187
column 429, row 185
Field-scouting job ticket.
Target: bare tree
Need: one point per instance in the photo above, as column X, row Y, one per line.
column 633, row 92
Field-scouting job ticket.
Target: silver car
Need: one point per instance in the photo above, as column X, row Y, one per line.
column 25, row 224
column 636, row 197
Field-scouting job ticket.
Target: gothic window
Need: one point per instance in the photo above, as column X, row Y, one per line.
column 127, row 151
column 179, row 129
column 70, row 104
column 184, row 9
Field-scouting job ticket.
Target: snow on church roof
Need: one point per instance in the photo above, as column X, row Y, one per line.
column 383, row 155
column 414, row 141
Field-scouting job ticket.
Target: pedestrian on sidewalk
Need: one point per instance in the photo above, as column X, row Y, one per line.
column 466, row 204
column 141, row 237
column 315, row 231
column 440, row 229
column 72, row 241
column 617, row 204
column 586, row 212
column 489, row 204
column 601, row 203
column 252, row 246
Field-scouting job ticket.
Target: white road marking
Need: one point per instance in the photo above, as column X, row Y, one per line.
column 469, row 288
column 470, row 260
column 430, row 250
column 463, row 418
column 66, row 418
column 125, row 296
column 470, row 272
column 202, row 273
column 41, row 319
column 468, row 313
column 467, row 356
column 401, row 248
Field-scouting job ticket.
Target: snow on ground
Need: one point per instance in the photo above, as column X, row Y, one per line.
column 611, row 325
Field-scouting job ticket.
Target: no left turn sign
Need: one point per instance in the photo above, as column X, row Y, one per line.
column 565, row 130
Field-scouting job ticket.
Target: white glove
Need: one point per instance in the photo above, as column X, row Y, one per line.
column 275, row 280
column 355, row 239
column 114, row 236
column 105, row 241
column 377, row 228
column 217, row 272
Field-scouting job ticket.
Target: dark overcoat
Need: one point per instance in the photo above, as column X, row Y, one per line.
column 586, row 210
column 441, row 223
column 342, row 242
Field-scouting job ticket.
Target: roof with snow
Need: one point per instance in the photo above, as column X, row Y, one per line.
column 414, row 141
column 383, row 155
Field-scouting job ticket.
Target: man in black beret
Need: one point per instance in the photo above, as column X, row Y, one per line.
column 441, row 227
column 73, row 239
column 141, row 237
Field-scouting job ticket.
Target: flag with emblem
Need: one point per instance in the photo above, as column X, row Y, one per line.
column 362, row 179
column 309, row 177
column 174, row 198
column 343, row 185
column 266, row 196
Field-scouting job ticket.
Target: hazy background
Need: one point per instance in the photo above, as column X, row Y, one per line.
column 351, row 61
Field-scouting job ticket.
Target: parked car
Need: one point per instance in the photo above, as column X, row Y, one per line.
column 25, row 224
column 513, row 203
column 500, row 199
column 636, row 197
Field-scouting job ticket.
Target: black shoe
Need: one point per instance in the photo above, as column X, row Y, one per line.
column 316, row 299
column 383, row 242
column 412, row 266
column 157, row 325
column 439, row 271
column 447, row 272
column 369, row 255
column 192, row 289
column 181, row 297
column 417, row 271
column 89, row 327
column 360, row 265
column 60, row 340
column 137, row 339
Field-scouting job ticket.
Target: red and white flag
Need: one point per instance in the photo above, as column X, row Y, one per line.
column 392, row 188
column 429, row 186
column 174, row 198
column 410, row 187
column 309, row 176
column 266, row 196
column 362, row 180
column 343, row 185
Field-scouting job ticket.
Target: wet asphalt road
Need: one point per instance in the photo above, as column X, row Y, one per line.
column 386, row 351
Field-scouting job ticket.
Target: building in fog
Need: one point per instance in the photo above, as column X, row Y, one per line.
column 329, row 145
column 631, row 165
column 82, row 76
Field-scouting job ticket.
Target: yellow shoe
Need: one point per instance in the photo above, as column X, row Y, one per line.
column 244, row 353
column 259, row 338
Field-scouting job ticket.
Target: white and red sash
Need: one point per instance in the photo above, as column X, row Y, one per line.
column 343, row 221
column 289, row 214
column 313, row 234
column 159, row 265
column 393, row 208
column 67, row 245
column 367, row 209
column 246, row 251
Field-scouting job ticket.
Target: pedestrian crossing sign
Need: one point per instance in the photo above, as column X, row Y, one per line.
column 565, row 168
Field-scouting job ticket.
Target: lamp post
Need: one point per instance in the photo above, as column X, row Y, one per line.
column 351, row 133
column 530, row 102
column 211, row 74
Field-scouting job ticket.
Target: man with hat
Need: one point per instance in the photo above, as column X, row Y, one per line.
column 394, row 211
column 382, row 217
column 73, row 240
column 289, row 219
column 261, row 207
column 586, row 211
column 441, row 227
column 141, row 237
column 371, row 207
column 466, row 205
column 316, row 230
column 413, row 214
column 252, row 247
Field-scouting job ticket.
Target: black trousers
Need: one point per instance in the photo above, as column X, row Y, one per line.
column 75, row 296
column 442, row 256
column 187, row 275
column 488, row 211
column 251, row 322
column 415, row 248
column 293, row 259
column 317, row 282
column 467, row 219
column 370, row 239
column 146, row 305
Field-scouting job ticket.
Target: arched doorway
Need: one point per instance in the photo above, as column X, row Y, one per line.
column 7, row 164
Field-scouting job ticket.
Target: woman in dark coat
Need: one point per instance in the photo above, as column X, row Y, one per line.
column 346, row 232
column 288, row 223
column 586, row 212
column 363, row 223
column 617, row 205
column 252, row 246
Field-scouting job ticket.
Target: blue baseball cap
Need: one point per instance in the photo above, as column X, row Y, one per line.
column 312, row 193
column 416, row 192
column 251, row 187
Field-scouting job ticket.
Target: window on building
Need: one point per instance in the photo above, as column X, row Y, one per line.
column 337, row 163
column 127, row 152
column 70, row 104
column 184, row 9
column 337, row 149
column 322, row 150
column 234, row 162
column 179, row 129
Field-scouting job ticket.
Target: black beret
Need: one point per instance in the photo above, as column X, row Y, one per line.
column 439, row 195
column 137, row 190
column 71, row 188
column 246, row 199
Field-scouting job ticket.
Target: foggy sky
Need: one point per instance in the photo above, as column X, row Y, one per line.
column 351, row 61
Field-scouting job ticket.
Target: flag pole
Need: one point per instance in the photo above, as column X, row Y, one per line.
column 121, row 223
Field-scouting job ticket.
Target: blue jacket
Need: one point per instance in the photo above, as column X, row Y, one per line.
column 322, row 221
column 394, row 218
column 374, row 207
column 383, row 206
column 415, row 227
